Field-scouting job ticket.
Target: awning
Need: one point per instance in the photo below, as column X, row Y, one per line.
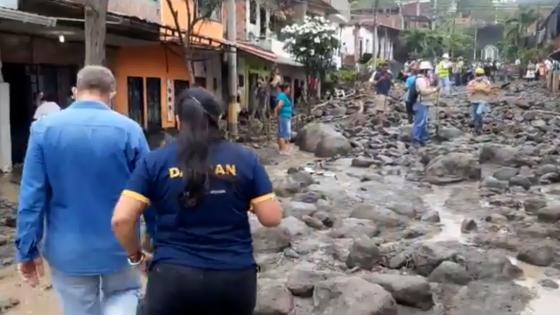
column 257, row 51
column 25, row 17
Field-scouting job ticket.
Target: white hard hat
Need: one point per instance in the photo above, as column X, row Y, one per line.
column 426, row 65
column 446, row 56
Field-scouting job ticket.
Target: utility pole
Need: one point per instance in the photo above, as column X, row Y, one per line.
column 475, row 41
column 95, row 12
column 417, row 12
column 375, row 35
column 435, row 15
column 233, row 106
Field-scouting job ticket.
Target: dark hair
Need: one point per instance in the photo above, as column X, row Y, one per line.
column 284, row 86
column 199, row 113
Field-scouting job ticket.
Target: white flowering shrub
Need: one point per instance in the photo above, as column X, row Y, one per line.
column 313, row 44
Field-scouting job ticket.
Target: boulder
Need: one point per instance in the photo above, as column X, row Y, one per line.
column 498, row 154
column 413, row 291
column 352, row 295
column 550, row 213
column 270, row 240
column 520, row 180
column 538, row 255
column 450, row 272
column 468, row 225
column 449, row 133
column 299, row 209
column 532, row 205
column 362, row 162
column 545, row 169
column 294, row 227
column 431, row 216
column 452, row 168
column 380, row 216
column 506, row 173
column 364, row 254
column 302, row 280
column 405, row 133
column 323, row 140
column 548, row 283
column 354, row 228
column 273, row 299
column 495, row 185
column 313, row 222
column 430, row 255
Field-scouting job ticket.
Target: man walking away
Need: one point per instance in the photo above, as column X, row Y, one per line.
column 458, row 71
column 76, row 166
column 443, row 74
column 479, row 91
column 428, row 93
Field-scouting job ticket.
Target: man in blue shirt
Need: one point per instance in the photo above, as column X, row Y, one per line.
column 77, row 163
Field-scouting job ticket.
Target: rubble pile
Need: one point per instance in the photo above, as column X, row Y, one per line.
column 377, row 226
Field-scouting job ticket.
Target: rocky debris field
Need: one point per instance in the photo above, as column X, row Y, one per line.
column 374, row 226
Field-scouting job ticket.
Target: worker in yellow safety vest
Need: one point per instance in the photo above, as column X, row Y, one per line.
column 443, row 73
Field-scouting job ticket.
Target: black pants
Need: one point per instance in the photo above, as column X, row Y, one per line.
column 410, row 111
column 178, row 290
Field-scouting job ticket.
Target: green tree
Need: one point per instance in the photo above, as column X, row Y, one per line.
column 516, row 31
column 313, row 44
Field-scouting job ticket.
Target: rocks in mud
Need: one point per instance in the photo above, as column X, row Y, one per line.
column 505, row 173
column 381, row 216
column 449, row 133
column 468, row 225
column 452, row 168
column 270, row 240
column 533, row 204
column 550, row 213
column 429, row 255
column 323, row 140
column 450, row 272
column 495, row 185
column 354, row 228
column 520, row 180
column 498, row 154
column 413, row 291
column 302, row 280
column 431, row 216
column 299, row 209
column 293, row 183
column 313, row 222
column 538, row 255
column 548, row 283
column 294, row 227
column 352, row 295
column 362, row 162
column 273, row 298
column 364, row 254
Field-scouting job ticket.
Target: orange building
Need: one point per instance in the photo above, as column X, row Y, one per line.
column 150, row 75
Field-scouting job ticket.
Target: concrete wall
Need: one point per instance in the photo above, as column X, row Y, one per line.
column 148, row 10
column 212, row 29
column 5, row 130
column 166, row 63
column 348, row 40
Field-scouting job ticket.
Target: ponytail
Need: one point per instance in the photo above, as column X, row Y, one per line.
column 199, row 129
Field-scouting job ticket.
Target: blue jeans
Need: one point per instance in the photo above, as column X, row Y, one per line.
column 445, row 84
column 477, row 118
column 420, row 132
column 113, row 294
column 284, row 128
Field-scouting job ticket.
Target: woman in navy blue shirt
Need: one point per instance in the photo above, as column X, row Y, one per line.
column 201, row 188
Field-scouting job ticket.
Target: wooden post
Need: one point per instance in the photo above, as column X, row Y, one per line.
column 95, row 12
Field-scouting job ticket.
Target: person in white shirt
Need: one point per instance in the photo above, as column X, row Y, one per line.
column 46, row 107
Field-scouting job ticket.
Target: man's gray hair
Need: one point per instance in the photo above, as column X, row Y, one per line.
column 97, row 78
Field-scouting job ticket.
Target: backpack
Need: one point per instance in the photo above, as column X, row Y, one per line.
column 413, row 93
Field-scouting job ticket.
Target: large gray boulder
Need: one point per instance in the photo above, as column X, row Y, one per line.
column 273, row 298
column 354, row 228
column 450, row 272
column 550, row 213
column 270, row 240
column 352, row 295
column 302, row 280
column 413, row 291
column 294, row 227
column 498, row 154
column 539, row 255
column 380, row 216
column 452, row 168
column 323, row 140
column 364, row 254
